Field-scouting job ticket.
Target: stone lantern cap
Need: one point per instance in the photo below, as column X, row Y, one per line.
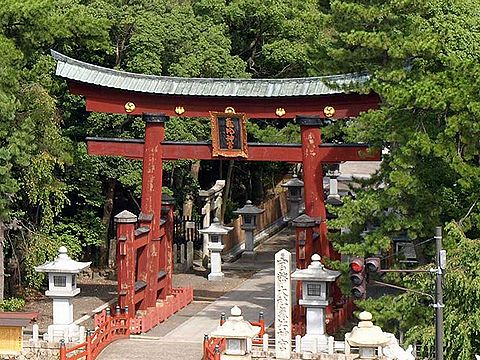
column 216, row 228
column 305, row 221
column 125, row 217
column 334, row 201
column 315, row 272
column 235, row 327
column 293, row 182
column 366, row 334
column 167, row 199
column 249, row 209
column 63, row 264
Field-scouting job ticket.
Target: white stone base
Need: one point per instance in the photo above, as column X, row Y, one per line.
column 314, row 343
column 236, row 357
column 69, row 333
column 216, row 276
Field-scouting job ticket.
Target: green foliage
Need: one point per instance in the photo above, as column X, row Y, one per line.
column 271, row 132
column 12, row 304
column 423, row 64
column 273, row 37
column 39, row 248
column 33, row 150
column 427, row 122
column 411, row 312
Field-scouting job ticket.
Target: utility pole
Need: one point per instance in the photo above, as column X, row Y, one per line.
column 441, row 262
column 440, row 258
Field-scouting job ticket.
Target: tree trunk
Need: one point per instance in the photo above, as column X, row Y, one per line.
column 226, row 191
column 2, row 261
column 105, row 257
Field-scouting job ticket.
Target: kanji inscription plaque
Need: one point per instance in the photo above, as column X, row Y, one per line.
column 229, row 134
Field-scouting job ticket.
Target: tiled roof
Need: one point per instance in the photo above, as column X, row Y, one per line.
column 72, row 69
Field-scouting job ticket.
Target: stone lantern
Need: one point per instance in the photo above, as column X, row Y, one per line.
column 249, row 222
column 238, row 334
column 367, row 337
column 62, row 287
column 294, row 187
column 333, row 198
column 215, row 232
column 315, row 297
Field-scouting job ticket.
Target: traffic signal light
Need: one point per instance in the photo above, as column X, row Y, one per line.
column 358, row 278
column 372, row 265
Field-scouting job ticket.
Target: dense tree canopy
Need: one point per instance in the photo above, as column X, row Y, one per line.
column 422, row 60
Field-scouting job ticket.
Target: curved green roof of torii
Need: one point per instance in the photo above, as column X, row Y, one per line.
column 80, row 71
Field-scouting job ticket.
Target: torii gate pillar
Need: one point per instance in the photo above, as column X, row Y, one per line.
column 311, row 135
column 149, row 260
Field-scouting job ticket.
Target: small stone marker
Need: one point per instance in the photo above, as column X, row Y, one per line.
column 175, row 253
column 190, row 251
column 283, row 305
column 182, row 253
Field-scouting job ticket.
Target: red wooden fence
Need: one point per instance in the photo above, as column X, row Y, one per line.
column 114, row 327
column 120, row 324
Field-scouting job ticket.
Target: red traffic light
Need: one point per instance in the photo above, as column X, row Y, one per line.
column 358, row 278
column 357, row 265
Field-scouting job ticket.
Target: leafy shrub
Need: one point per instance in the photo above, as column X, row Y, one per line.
column 12, row 304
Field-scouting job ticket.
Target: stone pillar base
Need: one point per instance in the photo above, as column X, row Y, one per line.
column 216, row 276
column 236, row 357
column 69, row 333
column 314, row 343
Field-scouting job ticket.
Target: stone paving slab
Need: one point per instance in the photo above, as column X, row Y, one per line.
column 146, row 349
column 254, row 295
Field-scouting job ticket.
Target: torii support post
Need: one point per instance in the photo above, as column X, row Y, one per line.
column 311, row 136
column 152, row 204
column 126, row 223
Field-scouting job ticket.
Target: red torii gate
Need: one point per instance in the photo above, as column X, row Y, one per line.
column 309, row 100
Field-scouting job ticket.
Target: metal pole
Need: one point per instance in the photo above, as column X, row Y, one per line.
column 438, row 298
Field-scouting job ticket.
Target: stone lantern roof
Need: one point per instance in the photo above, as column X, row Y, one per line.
column 63, row 264
column 293, row 182
column 216, row 228
column 235, row 327
column 366, row 334
column 167, row 199
column 305, row 221
column 249, row 209
column 315, row 272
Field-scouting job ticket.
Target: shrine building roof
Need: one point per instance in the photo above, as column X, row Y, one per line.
column 80, row 71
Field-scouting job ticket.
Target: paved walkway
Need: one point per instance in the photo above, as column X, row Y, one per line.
column 181, row 336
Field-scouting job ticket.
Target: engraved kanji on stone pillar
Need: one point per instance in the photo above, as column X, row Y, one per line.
column 283, row 305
